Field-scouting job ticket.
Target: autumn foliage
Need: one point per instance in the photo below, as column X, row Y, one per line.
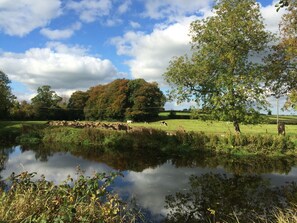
column 124, row 99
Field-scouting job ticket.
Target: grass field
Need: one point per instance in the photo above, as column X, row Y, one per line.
column 216, row 127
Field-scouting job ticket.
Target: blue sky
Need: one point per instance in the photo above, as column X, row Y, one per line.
column 75, row 44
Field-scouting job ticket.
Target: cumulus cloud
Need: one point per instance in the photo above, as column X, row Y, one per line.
column 60, row 33
column 152, row 52
column 21, row 17
column 57, row 65
column 90, row 10
column 271, row 17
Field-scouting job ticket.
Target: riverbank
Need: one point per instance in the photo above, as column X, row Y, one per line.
column 177, row 142
column 216, row 137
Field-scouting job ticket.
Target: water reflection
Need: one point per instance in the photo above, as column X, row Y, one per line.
column 218, row 198
column 150, row 176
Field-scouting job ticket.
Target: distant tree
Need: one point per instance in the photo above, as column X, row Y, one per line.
column 146, row 100
column 120, row 99
column 46, row 103
column 107, row 101
column 6, row 97
column 76, row 105
column 22, row 111
column 220, row 74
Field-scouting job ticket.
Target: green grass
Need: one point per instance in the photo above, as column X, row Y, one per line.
column 216, row 127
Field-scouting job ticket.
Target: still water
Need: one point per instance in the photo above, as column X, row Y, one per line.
column 151, row 178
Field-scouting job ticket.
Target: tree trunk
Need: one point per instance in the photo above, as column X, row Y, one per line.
column 236, row 126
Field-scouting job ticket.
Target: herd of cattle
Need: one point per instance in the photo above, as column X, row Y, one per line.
column 90, row 124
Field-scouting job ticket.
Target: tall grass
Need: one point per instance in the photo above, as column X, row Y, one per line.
column 85, row 199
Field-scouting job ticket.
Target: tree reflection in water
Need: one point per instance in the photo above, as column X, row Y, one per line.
column 218, row 198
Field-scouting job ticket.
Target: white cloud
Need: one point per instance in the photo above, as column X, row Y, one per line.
column 124, row 7
column 57, row 65
column 20, row 17
column 152, row 52
column 90, row 10
column 135, row 25
column 271, row 17
column 60, row 33
column 174, row 9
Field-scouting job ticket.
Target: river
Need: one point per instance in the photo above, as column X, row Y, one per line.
column 150, row 180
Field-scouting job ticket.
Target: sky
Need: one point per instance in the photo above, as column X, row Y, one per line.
column 75, row 44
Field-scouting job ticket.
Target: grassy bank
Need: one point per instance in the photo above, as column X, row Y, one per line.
column 9, row 130
column 152, row 139
column 178, row 136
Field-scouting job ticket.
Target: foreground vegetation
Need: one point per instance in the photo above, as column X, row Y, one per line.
column 85, row 199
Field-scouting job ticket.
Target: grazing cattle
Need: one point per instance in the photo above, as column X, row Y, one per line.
column 129, row 121
column 163, row 123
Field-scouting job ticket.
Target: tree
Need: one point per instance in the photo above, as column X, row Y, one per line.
column 76, row 104
column 120, row 99
column 146, row 100
column 221, row 74
column 46, row 103
column 281, row 64
column 22, row 111
column 107, row 101
column 6, row 97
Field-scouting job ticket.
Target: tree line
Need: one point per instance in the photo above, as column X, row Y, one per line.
column 119, row 100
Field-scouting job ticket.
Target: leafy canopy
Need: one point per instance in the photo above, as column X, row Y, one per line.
column 222, row 74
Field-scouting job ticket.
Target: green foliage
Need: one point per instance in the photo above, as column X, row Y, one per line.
column 6, row 97
column 220, row 75
column 22, row 111
column 120, row 99
column 76, row 104
column 146, row 100
column 45, row 103
column 86, row 199
column 282, row 62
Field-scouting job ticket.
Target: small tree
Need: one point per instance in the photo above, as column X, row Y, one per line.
column 6, row 97
column 76, row 105
column 221, row 74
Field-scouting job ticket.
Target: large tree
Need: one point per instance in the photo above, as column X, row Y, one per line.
column 6, row 97
column 222, row 74
column 46, row 103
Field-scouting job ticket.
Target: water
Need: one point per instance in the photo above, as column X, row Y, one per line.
column 149, row 178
